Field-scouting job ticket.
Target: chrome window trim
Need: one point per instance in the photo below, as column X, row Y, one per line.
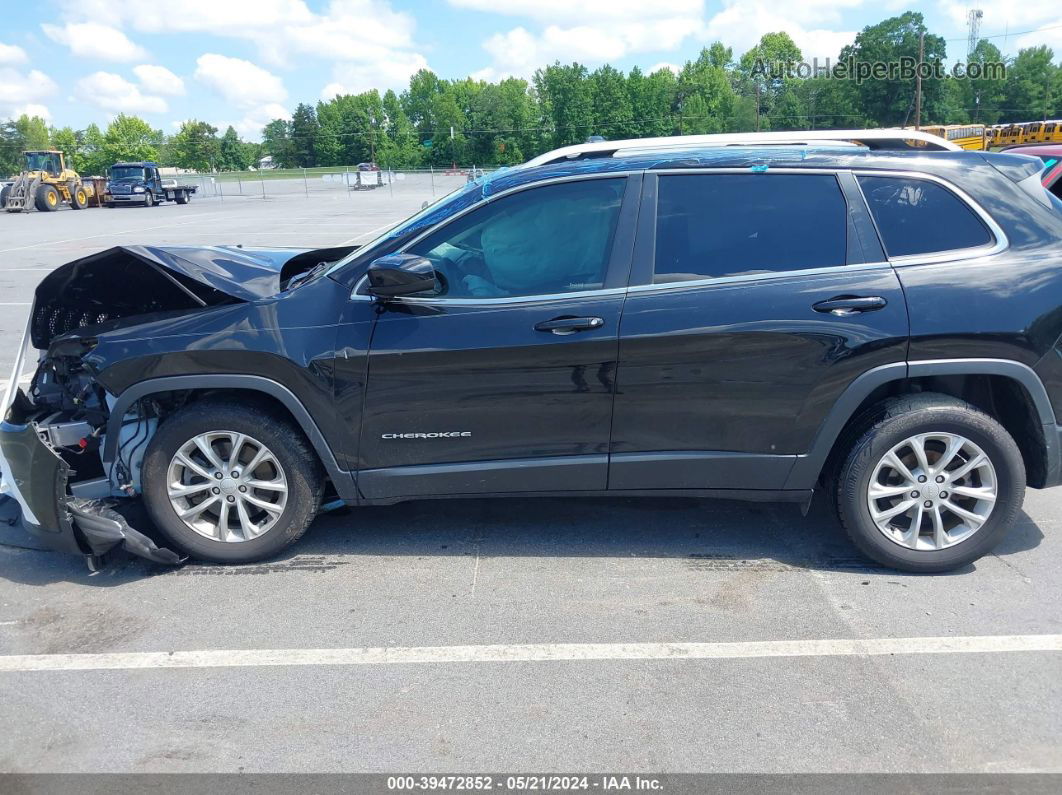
column 356, row 295
column 758, row 277
column 769, row 275
column 1000, row 241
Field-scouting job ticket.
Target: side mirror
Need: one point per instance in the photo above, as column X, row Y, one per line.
column 401, row 274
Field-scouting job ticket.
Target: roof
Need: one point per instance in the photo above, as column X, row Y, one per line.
column 759, row 158
column 139, row 163
column 874, row 139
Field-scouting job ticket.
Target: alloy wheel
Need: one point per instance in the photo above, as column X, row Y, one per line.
column 932, row 491
column 226, row 486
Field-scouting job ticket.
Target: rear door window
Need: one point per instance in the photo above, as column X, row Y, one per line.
column 916, row 216
column 716, row 225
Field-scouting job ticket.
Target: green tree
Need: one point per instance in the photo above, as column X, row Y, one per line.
column 304, row 129
column 889, row 102
column 65, row 139
column 93, row 158
column 653, row 99
column 705, row 97
column 276, row 143
column 10, row 149
column 566, row 102
column 763, row 73
column 983, row 97
column 612, row 108
column 130, row 138
column 232, row 155
column 400, row 147
column 1031, row 80
column 419, row 102
column 34, row 132
column 195, row 146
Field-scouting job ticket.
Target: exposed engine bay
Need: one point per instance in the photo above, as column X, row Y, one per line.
column 55, row 427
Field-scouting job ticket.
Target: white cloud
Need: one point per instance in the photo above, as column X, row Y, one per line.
column 354, row 78
column 519, row 52
column 587, row 12
column 362, row 31
column 159, row 80
column 250, row 126
column 1000, row 18
column 113, row 92
column 95, row 40
column 741, row 25
column 591, row 32
column 241, row 82
column 663, row 65
column 33, row 109
column 11, row 54
column 20, row 90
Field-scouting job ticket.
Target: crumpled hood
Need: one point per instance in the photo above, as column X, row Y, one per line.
column 126, row 281
column 244, row 273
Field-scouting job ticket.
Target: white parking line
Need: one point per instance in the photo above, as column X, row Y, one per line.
column 537, row 652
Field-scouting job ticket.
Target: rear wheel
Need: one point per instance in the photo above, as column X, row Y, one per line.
column 4, row 193
column 181, row 197
column 47, row 198
column 230, row 484
column 934, row 485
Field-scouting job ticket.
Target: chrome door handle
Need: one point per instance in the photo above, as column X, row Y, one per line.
column 570, row 325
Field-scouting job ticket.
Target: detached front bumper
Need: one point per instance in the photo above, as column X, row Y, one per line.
column 37, row 477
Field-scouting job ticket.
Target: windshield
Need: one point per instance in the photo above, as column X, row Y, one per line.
column 126, row 173
column 42, row 161
column 437, row 211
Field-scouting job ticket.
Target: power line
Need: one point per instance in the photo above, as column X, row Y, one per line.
column 1011, row 33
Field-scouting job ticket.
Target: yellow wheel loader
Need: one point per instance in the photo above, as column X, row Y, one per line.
column 45, row 183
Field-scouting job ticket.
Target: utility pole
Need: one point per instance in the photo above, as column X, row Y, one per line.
column 918, row 81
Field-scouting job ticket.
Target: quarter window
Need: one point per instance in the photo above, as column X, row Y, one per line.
column 552, row 239
column 916, row 216
column 714, row 225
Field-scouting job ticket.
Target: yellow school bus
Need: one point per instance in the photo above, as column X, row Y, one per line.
column 967, row 136
column 1050, row 132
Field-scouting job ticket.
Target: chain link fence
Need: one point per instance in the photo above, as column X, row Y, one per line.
column 333, row 180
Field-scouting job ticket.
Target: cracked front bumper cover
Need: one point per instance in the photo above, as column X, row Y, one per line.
column 38, row 477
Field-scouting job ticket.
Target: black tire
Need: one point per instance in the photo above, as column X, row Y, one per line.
column 47, row 199
column 78, row 198
column 149, row 199
column 301, row 466
column 899, row 420
column 181, row 197
column 4, row 193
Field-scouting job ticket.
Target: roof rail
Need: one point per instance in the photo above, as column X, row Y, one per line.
column 873, row 139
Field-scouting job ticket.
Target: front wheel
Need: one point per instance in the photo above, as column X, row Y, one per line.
column 47, row 199
column 933, row 485
column 230, row 484
column 149, row 199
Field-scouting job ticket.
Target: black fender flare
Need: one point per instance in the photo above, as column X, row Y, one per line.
column 805, row 472
column 342, row 479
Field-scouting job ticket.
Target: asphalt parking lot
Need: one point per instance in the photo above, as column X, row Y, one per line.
column 676, row 635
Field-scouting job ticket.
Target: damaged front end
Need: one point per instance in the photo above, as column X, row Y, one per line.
column 49, row 457
column 53, row 433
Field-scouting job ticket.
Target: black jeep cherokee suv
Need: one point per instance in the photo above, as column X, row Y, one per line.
column 744, row 323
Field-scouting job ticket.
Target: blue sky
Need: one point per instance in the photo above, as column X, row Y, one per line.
column 244, row 62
